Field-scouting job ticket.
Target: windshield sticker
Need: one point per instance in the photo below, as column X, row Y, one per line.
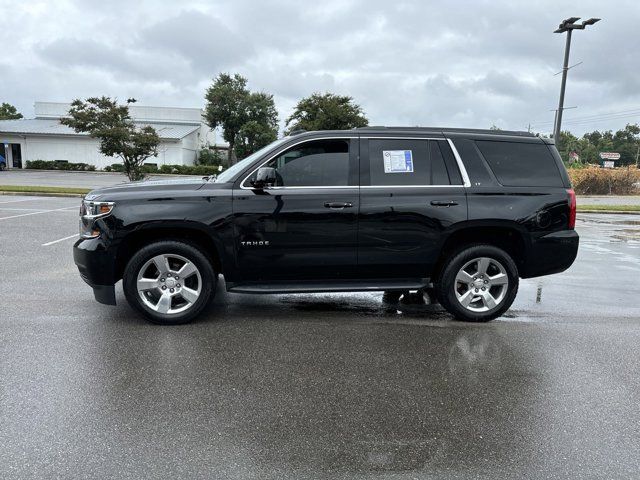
column 398, row 161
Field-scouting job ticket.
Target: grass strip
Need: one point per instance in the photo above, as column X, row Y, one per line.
column 42, row 189
column 609, row 208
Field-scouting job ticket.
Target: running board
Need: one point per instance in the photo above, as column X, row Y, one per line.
column 329, row 286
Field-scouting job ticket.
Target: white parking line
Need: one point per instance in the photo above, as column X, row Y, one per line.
column 16, row 209
column 21, row 200
column 37, row 213
column 75, row 235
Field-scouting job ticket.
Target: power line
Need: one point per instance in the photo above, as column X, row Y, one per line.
column 596, row 116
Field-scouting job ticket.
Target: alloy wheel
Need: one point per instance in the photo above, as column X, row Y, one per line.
column 481, row 284
column 169, row 284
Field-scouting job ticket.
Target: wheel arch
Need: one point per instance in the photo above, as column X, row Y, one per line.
column 190, row 232
column 506, row 235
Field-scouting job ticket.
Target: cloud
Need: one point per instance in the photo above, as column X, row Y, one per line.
column 202, row 40
column 457, row 63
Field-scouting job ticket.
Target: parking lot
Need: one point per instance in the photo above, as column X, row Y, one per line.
column 316, row 386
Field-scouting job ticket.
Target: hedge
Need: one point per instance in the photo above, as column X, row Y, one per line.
column 605, row 181
column 169, row 169
column 190, row 169
column 59, row 165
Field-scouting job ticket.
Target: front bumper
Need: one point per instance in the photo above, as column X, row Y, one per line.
column 551, row 253
column 97, row 268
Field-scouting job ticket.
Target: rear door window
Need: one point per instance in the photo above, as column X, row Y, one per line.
column 518, row 164
column 406, row 162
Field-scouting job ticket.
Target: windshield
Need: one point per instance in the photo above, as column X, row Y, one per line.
column 232, row 171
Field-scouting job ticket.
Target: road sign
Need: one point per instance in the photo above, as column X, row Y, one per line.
column 608, row 163
column 609, row 155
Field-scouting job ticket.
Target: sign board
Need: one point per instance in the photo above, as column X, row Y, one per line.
column 398, row 161
column 609, row 155
column 608, row 163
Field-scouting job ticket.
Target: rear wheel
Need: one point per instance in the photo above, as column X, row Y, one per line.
column 169, row 282
column 478, row 284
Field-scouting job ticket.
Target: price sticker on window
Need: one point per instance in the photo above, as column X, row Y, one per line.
column 398, row 161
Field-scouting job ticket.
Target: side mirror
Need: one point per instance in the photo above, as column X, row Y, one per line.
column 265, row 177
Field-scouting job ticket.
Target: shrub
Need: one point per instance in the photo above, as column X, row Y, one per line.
column 605, row 181
column 59, row 165
column 207, row 156
column 190, row 169
column 114, row 167
column 170, row 169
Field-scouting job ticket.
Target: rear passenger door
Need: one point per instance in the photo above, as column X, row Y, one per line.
column 411, row 193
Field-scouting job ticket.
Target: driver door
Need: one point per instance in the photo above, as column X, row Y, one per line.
column 305, row 226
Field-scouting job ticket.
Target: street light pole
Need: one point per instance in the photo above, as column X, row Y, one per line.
column 568, row 26
column 565, row 69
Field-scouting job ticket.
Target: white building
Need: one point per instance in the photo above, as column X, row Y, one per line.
column 181, row 130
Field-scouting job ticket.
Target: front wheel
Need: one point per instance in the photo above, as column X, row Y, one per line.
column 478, row 284
column 170, row 282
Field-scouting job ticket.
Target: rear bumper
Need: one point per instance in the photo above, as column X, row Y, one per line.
column 97, row 268
column 551, row 253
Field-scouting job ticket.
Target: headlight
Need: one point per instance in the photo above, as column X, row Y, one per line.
column 90, row 211
column 93, row 210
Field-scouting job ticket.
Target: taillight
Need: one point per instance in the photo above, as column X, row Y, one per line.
column 572, row 208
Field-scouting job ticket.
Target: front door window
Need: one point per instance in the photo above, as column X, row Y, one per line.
column 318, row 163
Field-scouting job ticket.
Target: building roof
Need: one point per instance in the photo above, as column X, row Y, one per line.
column 40, row 126
column 139, row 113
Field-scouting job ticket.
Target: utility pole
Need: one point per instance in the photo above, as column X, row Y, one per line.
column 567, row 26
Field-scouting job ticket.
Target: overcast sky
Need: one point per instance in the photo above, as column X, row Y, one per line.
column 430, row 63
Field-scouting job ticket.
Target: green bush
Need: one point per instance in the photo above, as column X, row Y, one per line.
column 207, row 156
column 59, row 165
column 114, row 167
column 190, row 169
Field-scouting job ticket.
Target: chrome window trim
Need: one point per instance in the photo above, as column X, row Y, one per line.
column 412, row 186
column 463, row 171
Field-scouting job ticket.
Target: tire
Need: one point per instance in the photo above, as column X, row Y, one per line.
column 171, row 299
column 3, row 166
column 459, row 287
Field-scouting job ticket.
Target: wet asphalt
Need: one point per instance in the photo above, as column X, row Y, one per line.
column 335, row 386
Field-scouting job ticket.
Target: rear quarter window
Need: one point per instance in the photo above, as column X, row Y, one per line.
column 521, row 164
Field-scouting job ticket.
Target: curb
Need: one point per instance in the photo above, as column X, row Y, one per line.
column 42, row 194
column 611, row 212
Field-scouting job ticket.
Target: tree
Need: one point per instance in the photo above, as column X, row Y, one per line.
column 326, row 112
column 9, row 112
column 260, row 127
column 111, row 124
column 624, row 141
column 226, row 107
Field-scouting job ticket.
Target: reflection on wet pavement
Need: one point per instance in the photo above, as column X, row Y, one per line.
column 331, row 386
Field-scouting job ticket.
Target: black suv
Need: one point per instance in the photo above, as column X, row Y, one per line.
column 465, row 212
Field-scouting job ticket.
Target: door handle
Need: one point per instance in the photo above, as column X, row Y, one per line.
column 338, row 205
column 446, row 203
